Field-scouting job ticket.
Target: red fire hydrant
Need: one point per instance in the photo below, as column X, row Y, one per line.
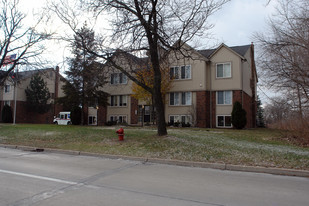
column 120, row 133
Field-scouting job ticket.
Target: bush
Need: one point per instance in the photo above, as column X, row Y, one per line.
column 7, row 115
column 239, row 119
column 183, row 124
column 110, row 123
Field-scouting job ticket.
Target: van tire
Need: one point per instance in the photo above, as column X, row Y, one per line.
column 56, row 122
column 69, row 123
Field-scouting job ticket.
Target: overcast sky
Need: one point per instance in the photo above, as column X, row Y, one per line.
column 235, row 24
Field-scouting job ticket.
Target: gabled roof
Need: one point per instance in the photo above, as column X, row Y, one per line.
column 30, row 73
column 239, row 50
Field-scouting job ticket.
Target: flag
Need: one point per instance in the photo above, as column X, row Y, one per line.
column 9, row 59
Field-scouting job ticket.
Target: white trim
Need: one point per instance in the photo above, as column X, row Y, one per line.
column 118, row 101
column 117, row 118
column 223, row 120
column 227, row 77
column 180, row 99
column 180, row 116
column 224, row 97
column 179, row 72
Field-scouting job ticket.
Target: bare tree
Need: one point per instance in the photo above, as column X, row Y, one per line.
column 155, row 27
column 285, row 52
column 17, row 43
column 151, row 27
column 277, row 111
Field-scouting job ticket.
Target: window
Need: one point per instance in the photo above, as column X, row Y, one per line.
column 224, row 121
column 118, row 118
column 180, row 118
column 122, row 100
column 7, row 88
column 118, row 100
column 92, row 120
column 224, row 97
column 224, row 70
column 118, row 78
column 122, row 119
column 180, row 98
column 182, row 72
column 114, row 100
column 113, row 118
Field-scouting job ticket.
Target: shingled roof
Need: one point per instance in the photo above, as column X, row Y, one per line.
column 241, row 50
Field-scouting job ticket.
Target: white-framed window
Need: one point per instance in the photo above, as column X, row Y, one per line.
column 118, row 118
column 118, row 101
column 7, row 88
column 223, row 70
column 180, row 98
column 118, row 78
column 224, row 121
column 180, row 72
column 180, row 118
column 224, row 97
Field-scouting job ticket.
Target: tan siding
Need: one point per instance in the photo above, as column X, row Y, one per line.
column 181, row 110
column 120, row 110
column 224, row 56
column 224, row 109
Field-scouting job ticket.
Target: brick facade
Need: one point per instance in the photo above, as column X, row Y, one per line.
column 134, row 109
column 248, row 104
column 102, row 115
column 203, row 109
column 23, row 115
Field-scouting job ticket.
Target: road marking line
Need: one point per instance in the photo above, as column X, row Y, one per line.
column 39, row 177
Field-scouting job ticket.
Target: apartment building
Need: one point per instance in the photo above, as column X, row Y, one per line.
column 8, row 92
column 205, row 86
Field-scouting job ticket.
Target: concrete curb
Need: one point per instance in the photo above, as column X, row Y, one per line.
column 221, row 166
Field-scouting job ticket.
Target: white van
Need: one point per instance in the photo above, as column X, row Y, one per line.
column 63, row 118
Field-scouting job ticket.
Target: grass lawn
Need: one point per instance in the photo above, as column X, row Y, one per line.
column 257, row 147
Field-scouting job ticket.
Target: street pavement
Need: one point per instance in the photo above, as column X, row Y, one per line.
column 50, row 179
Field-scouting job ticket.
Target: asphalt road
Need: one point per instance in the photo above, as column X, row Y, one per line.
column 31, row 178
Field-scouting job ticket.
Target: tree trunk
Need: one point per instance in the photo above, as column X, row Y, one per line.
column 157, row 96
column 160, row 114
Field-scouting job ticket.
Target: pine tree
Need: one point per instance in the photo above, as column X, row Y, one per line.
column 37, row 95
column 260, row 114
column 85, row 75
column 239, row 119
